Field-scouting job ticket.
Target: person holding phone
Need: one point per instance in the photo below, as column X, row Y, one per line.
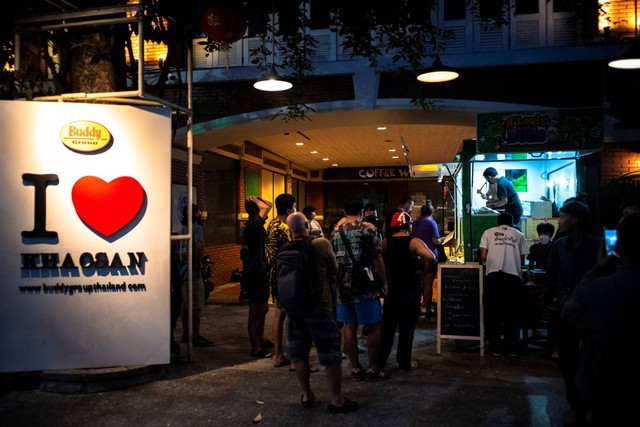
column 604, row 311
column 571, row 257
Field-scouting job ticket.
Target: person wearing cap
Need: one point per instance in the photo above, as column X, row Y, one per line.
column 406, row 205
column 506, row 196
column 407, row 259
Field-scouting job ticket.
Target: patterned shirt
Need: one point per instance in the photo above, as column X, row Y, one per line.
column 365, row 245
column 278, row 234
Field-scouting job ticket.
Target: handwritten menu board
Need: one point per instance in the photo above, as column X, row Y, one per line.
column 460, row 303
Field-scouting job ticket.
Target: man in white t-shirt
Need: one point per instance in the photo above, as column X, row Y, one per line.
column 502, row 250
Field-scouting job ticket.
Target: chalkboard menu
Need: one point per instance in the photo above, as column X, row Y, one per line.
column 460, row 302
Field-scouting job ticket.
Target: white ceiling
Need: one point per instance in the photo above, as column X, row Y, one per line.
column 348, row 138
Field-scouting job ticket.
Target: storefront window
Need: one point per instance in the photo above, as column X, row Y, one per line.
column 299, row 191
column 221, row 200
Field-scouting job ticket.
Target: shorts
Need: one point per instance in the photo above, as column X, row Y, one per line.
column 197, row 292
column 257, row 287
column 365, row 312
column 320, row 329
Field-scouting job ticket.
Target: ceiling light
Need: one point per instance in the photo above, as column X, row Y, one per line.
column 334, row 164
column 313, row 152
column 272, row 82
column 325, row 159
column 438, row 73
column 395, row 157
column 299, row 143
column 382, row 128
column 392, row 150
column 631, row 59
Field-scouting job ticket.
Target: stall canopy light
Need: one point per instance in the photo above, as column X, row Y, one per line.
column 438, row 73
column 272, row 82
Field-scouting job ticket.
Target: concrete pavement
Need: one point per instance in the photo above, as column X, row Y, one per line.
column 225, row 386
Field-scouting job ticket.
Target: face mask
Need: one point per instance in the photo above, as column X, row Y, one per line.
column 544, row 239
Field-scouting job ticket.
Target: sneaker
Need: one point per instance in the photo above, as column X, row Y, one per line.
column 361, row 348
column 357, row 374
column 375, row 376
column 413, row 365
column 494, row 353
column 347, row 406
column 202, row 342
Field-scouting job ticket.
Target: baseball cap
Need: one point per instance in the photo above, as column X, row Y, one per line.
column 399, row 219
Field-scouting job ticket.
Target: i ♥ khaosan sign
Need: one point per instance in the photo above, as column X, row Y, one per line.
column 85, row 235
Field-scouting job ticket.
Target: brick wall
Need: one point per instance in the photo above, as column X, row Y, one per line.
column 617, row 160
column 619, row 179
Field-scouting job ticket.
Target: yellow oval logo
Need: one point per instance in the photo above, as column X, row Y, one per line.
column 86, row 137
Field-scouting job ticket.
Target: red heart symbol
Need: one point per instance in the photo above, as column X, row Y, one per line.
column 107, row 207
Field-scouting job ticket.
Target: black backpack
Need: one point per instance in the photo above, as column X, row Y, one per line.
column 294, row 273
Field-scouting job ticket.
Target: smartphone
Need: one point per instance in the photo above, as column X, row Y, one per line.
column 610, row 241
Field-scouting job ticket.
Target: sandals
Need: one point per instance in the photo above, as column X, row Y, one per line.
column 357, row 374
column 261, row 354
column 285, row 362
column 312, row 369
column 347, row 406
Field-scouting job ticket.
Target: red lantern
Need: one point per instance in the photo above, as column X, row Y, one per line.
column 224, row 22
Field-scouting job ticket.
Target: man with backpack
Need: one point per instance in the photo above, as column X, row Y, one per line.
column 312, row 322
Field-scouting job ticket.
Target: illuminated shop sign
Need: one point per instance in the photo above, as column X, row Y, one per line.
column 366, row 173
column 85, row 235
column 538, row 131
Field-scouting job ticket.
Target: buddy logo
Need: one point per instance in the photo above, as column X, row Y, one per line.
column 105, row 207
column 86, row 137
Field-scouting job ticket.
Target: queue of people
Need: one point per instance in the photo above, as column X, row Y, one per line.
column 588, row 296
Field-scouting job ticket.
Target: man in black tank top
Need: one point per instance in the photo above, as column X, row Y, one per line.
column 406, row 259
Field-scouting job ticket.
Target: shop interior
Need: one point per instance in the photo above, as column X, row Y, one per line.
column 543, row 184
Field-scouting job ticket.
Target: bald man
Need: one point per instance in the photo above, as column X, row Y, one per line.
column 319, row 326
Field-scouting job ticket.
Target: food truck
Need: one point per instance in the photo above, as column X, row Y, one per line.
column 545, row 155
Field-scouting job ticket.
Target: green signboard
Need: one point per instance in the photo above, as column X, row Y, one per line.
column 535, row 131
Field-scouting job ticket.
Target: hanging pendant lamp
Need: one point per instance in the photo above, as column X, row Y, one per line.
column 631, row 59
column 438, row 72
column 272, row 82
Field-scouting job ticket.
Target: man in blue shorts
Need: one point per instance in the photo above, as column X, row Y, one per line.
column 319, row 326
column 357, row 305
